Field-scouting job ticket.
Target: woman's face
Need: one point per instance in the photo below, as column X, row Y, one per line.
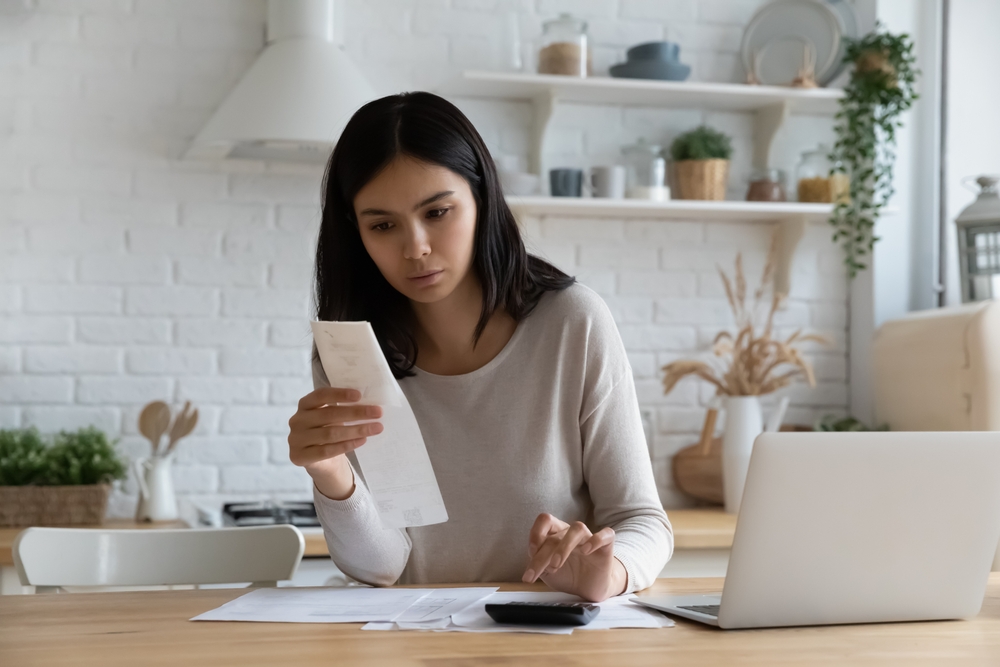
column 418, row 223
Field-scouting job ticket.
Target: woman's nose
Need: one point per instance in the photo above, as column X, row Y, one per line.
column 417, row 243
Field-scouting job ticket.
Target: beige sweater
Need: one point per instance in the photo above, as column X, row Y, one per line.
column 551, row 424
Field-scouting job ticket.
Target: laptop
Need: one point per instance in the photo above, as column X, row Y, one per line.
column 858, row 528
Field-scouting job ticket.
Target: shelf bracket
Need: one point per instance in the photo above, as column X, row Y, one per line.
column 766, row 123
column 544, row 106
column 789, row 233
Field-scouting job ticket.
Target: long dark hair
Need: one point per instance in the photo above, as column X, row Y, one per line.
column 350, row 287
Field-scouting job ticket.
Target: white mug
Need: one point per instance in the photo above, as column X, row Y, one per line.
column 608, row 182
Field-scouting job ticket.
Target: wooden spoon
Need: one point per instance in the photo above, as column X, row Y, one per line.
column 184, row 423
column 154, row 420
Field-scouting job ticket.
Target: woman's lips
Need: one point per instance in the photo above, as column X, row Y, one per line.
column 428, row 278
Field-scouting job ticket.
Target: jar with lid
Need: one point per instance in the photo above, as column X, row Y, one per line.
column 645, row 171
column 565, row 47
column 817, row 180
column 766, row 185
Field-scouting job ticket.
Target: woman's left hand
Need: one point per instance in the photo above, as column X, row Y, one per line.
column 571, row 559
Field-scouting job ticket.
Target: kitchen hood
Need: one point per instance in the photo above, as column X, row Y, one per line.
column 296, row 98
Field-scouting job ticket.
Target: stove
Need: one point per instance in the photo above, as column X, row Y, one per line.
column 301, row 514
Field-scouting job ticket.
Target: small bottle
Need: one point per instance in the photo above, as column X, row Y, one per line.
column 565, row 47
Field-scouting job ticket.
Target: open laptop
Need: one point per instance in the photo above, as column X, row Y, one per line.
column 858, row 528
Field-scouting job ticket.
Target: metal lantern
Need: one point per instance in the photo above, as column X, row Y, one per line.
column 979, row 243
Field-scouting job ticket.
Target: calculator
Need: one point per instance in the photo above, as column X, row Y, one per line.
column 543, row 613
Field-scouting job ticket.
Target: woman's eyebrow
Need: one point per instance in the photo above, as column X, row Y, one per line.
column 429, row 200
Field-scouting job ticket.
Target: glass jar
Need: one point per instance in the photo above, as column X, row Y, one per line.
column 812, row 176
column 817, row 179
column 565, row 47
column 645, row 171
column 766, row 185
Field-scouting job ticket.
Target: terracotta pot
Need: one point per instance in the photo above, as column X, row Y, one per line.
column 700, row 179
column 53, row 505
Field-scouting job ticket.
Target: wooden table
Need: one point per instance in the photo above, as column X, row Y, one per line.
column 151, row 628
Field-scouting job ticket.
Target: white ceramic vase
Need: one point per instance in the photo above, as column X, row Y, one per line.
column 744, row 422
column 157, row 501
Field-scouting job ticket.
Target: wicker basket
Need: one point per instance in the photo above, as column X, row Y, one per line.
column 53, row 505
column 700, row 179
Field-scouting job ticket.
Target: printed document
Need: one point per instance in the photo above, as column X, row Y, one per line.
column 395, row 464
column 353, row 604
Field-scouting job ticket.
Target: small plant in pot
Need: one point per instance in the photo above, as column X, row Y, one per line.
column 700, row 167
column 65, row 482
column 881, row 89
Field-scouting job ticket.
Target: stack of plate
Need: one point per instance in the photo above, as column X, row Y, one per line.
column 780, row 34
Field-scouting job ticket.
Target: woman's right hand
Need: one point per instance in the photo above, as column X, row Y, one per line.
column 320, row 433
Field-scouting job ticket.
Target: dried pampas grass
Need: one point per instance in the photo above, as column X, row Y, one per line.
column 757, row 363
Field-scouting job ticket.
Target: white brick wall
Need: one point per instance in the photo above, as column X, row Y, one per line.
column 128, row 274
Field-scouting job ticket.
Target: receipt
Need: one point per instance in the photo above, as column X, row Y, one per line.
column 395, row 464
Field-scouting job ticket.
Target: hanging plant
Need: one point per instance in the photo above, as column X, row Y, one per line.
column 880, row 89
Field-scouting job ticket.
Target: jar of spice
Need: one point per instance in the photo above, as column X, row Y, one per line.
column 766, row 185
column 645, row 171
column 812, row 176
column 565, row 47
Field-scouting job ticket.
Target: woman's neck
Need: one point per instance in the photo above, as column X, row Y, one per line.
column 445, row 332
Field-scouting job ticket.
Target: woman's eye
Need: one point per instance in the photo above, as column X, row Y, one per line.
column 381, row 227
column 437, row 212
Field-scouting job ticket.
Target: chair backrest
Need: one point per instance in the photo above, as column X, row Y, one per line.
column 53, row 557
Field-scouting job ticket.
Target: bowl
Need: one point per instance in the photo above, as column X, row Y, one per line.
column 667, row 51
column 651, row 69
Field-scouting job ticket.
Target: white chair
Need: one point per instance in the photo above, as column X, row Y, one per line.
column 50, row 558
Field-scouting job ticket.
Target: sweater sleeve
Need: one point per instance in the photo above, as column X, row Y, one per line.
column 358, row 543
column 616, row 462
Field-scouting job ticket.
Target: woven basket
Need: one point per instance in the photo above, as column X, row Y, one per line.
column 53, row 505
column 700, row 179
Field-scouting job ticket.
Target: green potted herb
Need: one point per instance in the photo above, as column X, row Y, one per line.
column 881, row 88
column 64, row 482
column 700, row 166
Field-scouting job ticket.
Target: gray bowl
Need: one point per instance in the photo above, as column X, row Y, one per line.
column 651, row 69
column 666, row 51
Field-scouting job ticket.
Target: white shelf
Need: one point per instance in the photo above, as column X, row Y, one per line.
column 642, row 92
column 677, row 209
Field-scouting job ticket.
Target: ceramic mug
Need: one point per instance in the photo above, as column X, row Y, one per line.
column 566, row 182
column 608, row 182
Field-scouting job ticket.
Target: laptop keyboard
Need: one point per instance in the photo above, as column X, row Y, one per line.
column 707, row 609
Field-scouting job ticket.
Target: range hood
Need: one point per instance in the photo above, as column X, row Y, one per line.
column 296, row 98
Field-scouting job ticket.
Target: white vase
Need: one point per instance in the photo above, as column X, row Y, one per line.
column 157, row 501
column 744, row 422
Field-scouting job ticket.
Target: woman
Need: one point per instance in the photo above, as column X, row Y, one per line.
column 516, row 374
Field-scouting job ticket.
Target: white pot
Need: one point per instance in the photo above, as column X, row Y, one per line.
column 157, row 501
column 744, row 422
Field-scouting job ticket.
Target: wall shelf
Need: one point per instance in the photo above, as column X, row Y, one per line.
column 770, row 105
column 642, row 92
column 677, row 209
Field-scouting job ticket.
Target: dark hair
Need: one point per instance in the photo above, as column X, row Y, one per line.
column 350, row 287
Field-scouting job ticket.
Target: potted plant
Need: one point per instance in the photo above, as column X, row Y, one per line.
column 881, row 88
column 700, row 166
column 66, row 482
column 747, row 365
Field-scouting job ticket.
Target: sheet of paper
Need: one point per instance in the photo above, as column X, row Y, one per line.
column 441, row 603
column 395, row 462
column 353, row 604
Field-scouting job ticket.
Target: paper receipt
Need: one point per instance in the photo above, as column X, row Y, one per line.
column 395, row 464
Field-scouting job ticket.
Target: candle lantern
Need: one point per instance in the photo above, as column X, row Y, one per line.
column 979, row 243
